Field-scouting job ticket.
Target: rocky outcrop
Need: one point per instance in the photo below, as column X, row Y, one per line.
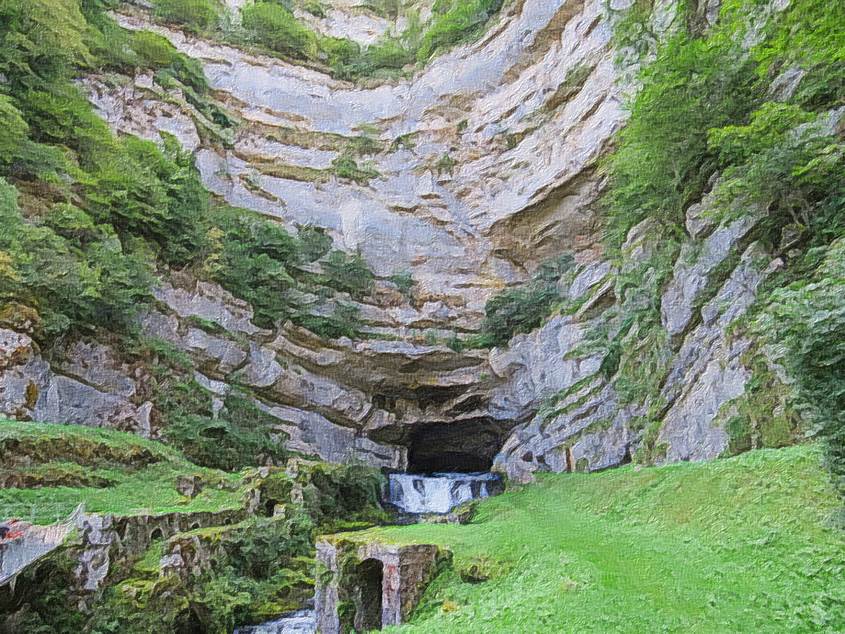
column 91, row 393
column 708, row 372
column 23, row 545
column 105, row 539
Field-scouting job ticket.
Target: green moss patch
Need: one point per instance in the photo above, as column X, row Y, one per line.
column 73, row 465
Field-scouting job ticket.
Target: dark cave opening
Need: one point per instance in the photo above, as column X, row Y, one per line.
column 459, row 447
column 368, row 595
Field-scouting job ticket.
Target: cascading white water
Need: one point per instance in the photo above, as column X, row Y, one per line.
column 438, row 492
column 301, row 622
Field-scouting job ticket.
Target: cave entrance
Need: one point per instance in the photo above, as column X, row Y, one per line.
column 460, row 447
column 368, row 595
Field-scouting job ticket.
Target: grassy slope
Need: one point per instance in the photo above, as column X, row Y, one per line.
column 149, row 488
column 738, row 545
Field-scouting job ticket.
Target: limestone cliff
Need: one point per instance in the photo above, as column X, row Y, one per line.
column 480, row 167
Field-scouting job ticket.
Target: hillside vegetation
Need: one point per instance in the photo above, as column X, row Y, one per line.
column 745, row 544
column 49, row 469
column 255, row 564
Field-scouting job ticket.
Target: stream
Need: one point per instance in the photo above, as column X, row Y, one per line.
column 300, row 622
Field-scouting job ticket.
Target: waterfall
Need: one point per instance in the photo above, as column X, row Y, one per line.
column 438, row 492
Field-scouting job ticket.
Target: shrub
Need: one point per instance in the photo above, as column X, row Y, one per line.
column 462, row 21
column 144, row 192
column 342, row 322
column 195, row 15
column 663, row 161
column 42, row 38
column 80, row 277
column 808, row 319
column 341, row 55
column 15, row 130
column 274, row 26
column 346, row 167
column 522, row 309
column 388, row 54
column 253, row 260
column 348, row 273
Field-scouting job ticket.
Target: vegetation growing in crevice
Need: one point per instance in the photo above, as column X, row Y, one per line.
column 520, row 309
column 195, row 15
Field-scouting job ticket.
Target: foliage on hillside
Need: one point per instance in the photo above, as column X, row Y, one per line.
column 102, row 211
column 255, row 569
column 92, row 221
column 744, row 544
column 714, row 111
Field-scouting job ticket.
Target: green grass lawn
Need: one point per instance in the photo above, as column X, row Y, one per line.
column 746, row 544
column 135, row 475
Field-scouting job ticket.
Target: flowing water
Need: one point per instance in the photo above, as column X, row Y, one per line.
column 439, row 492
column 301, row 622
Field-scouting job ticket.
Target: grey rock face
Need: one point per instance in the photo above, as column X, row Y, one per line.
column 693, row 269
column 592, row 275
column 586, row 427
column 708, row 372
column 536, row 366
column 30, row 389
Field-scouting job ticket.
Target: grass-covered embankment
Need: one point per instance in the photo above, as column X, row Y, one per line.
column 745, row 544
column 61, row 466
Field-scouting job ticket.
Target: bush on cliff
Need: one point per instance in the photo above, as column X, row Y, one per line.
column 808, row 318
column 194, row 15
column 455, row 22
column 274, row 26
column 523, row 308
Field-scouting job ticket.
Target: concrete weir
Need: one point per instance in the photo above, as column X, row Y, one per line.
column 364, row 586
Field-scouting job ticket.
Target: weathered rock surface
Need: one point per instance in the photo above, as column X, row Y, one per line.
column 487, row 167
column 459, row 239
column 708, row 371
column 31, row 390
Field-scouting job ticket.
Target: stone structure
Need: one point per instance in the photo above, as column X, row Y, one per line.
column 30, row 544
column 368, row 585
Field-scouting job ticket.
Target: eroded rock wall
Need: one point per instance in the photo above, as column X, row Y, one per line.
column 486, row 166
